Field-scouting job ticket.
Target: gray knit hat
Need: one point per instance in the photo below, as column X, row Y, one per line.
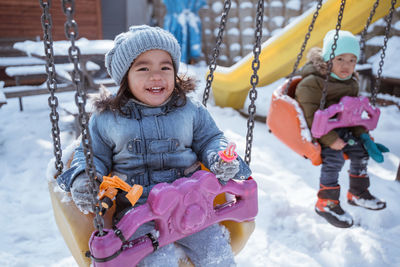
column 129, row 45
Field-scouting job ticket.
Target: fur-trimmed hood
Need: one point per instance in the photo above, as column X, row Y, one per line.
column 315, row 63
column 101, row 101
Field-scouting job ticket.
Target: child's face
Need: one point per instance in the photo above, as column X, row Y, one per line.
column 151, row 78
column 343, row 65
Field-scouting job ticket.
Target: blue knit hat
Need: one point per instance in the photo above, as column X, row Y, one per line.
column 346, row 43
column 129, row 45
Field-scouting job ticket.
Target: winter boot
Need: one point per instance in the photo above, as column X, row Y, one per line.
column 328, row 207
column 359, row 195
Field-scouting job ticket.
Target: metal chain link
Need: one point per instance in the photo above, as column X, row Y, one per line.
column 364, row 33
column 71, row 32
column 303, row 46
column 51, row 82
column 254, row 80
column 388, row 19
column 332, row 55
column 213, row 63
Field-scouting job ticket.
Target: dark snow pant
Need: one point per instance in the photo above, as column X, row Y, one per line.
column 333, row 160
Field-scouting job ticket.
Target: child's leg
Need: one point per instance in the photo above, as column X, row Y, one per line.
column 358, row 193
column 164, row 256
column 332, row 164
column 328, row 204
column 358, row 159
column 209, row 247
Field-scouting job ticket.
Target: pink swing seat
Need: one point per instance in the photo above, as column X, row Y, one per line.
column 179, row 209
column 350, row 111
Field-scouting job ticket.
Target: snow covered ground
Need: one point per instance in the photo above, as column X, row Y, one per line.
column 288, row 232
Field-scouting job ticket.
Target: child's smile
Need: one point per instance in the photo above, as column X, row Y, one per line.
column 151, row 77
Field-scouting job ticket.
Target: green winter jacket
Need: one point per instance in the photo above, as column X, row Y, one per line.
column 309, row 93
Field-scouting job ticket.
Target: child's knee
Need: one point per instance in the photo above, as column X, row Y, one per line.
column 164, row 256
column 210, row 247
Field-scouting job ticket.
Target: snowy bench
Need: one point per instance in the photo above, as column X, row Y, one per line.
column 62, row 73
column 19, row 61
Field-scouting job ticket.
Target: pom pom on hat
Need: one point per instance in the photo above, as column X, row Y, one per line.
column 139, row 39
column 346, row 43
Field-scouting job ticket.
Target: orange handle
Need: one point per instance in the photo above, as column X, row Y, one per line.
column 109, row 186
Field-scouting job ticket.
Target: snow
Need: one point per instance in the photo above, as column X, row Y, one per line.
column 234, row 47
column 61, row 47
column 392, row 55
column 234, row 31
column 217, row 7
column 293, row 4
column 18, row 61
column 396, row 26
column 41, row 69
column 288, row 232
column 276, row 4
column 278, row 20
column 246, row 4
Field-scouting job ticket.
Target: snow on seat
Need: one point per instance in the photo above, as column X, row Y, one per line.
column 286, row 121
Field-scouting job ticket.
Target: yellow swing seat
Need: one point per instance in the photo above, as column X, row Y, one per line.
column 76, row 227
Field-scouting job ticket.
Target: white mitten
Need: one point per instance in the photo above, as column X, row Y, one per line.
column 223, row 170
column 80, row 192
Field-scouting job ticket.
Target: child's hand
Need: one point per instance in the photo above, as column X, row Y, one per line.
column 339, row 144
column 374, row 150
column 223, row 170
column 80, row 192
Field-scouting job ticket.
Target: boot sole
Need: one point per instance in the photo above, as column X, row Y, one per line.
column 333, row 220
column 351, row 202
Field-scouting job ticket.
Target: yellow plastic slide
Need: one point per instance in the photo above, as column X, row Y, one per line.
column 278, row 54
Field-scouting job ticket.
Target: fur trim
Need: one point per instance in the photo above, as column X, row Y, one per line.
column 315, row 57
column 102, row 100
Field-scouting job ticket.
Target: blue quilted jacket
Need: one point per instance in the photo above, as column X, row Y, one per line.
column 150, row 145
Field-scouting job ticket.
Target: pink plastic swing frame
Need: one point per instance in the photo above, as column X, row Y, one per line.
column 178, row 210
column 347, row 113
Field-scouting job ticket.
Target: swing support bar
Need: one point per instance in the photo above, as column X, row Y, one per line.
column 350, row 111
column 179, row 209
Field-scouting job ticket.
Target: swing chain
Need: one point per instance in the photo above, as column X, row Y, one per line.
column 71, row 31
column 303, row 46
column 51, row 83
column 213, row 63
column 388, row 19
column 254, row 80
column 332, row 55
column 364, row 33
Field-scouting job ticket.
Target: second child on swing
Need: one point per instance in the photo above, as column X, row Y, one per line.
column 355, row 142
